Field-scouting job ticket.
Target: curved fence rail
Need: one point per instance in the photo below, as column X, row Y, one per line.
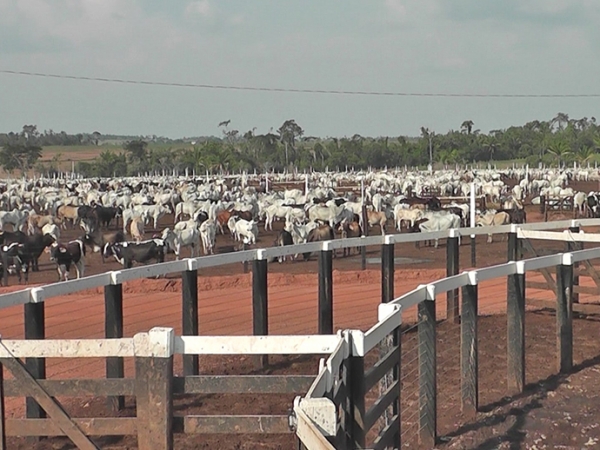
column 346, row 422
column 338, row 410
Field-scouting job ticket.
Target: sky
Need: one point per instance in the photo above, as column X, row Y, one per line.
column 413, row 46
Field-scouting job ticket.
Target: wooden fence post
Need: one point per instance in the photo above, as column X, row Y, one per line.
column 387, row 295
column 113, row 329
column 35, row 329
column 427, row 374
column 515, row 315
column 468, row 349
column 564, row 314
column 325, row 290
column 154, row 388
column 189, row 317
column 260, row 302
column 573, row 247
column 356, row 393
column 452, row 266
column 387, row 270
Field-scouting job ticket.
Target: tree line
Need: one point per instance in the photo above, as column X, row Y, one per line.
column 558, row 141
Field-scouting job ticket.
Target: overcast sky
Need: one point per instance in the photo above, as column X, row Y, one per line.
column 423, row 46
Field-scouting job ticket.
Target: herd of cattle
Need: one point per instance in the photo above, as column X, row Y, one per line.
column 199, row 209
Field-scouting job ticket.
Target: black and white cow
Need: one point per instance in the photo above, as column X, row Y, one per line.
column 11, row 257
column 64, row 255
column 128, row 252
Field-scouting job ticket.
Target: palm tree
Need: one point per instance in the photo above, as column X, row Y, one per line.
column 561, row 120
column 585, row 154
column 560, row 150
column 467, row 126
column 427, row 134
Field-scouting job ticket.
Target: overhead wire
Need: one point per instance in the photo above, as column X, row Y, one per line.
column 290, row 90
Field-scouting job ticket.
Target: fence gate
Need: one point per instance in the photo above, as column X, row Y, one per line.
column 57, row 416
column 581, row 270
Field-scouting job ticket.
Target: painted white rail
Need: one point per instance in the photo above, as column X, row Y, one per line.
column 40, row 294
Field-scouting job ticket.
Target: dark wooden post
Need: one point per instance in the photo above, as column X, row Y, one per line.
column 153, row 388
column 325, row 291
column 356, row 394
column 573, row 247
column 113, row 329
column 387, row 272
column 427, row 374
column 260, row 303
column 452, row 266
column 543, row 204
column 35, row 329
column 564, row 315
column 189, row 317
column 387, row 295
column 468, row 350
column 515, row 315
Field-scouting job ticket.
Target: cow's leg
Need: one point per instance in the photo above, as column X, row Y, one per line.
column 79, row 267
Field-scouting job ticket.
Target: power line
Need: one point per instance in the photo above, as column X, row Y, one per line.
column 292, row 90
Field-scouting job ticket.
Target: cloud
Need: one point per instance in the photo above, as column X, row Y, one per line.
column 238, row 19
column 201, row 7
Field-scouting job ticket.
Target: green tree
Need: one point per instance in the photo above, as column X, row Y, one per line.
column 19, row 155
column 136, row 149
column 467, row 126
column 560, row 150
column 288, row 133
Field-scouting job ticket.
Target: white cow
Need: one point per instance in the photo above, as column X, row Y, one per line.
column 190, row 237
column 246, row 231
column 208, row 231
column 439, row 222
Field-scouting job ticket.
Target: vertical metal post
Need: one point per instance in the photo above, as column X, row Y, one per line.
column 427, row 374
column 189, row 317
column 468, row 350
column 515, row 315
column 35, row 329
column 113, row 329
column 325, row 291
column 564, row 315
column 260, row 303
column 452, row 266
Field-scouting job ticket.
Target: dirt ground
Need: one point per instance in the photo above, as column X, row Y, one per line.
column 552, row 413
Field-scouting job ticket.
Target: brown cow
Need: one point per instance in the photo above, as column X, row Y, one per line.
column 36, row 221
column 67, row 212
column 349, row 230
column 322, row 233
column 224, row 216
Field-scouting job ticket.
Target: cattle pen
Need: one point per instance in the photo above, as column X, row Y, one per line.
column 411, row 378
